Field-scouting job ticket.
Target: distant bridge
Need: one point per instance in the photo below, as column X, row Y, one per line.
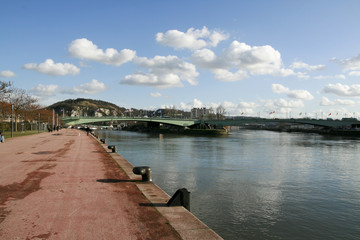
column 68, row 121
column 329, row 123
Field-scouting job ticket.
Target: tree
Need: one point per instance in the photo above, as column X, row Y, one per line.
column 220, row 112
column 5, row 88
column 22, row 103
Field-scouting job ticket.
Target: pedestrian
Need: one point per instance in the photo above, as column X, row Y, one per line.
column 2, row 138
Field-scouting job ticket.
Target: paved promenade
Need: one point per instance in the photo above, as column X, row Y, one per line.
column 55, row 186
column 66, row 185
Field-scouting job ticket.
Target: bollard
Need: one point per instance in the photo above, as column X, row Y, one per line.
column 112, row 147
column 145, row 173
column 180, row 198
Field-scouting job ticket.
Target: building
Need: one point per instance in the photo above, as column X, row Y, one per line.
column 199, row 112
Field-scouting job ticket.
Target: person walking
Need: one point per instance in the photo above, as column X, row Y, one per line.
column 2, row 138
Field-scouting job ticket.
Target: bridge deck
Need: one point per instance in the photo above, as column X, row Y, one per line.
column 226, row 122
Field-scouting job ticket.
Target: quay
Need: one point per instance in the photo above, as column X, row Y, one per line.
column 67, row 185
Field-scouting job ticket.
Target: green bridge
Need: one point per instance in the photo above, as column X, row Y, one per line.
column 329, row 123
column 69, row 121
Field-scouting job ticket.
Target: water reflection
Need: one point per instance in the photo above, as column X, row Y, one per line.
column 258, row 184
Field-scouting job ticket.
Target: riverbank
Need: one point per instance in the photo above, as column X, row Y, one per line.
column 322, row 131
column 65, row 185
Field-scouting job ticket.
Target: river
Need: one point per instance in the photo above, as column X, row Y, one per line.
column 257, row 184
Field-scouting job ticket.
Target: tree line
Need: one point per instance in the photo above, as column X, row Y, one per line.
column 20, row 108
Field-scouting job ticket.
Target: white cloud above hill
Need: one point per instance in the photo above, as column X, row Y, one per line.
column 85, row 49
column 192, row 39
column 163, row 72
column 49, row 67
column 44, row 90
column 92, row 87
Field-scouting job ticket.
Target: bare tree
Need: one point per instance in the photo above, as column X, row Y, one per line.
column 211, row 115
column 22, row 103
column 5, row 89
column 220, row 112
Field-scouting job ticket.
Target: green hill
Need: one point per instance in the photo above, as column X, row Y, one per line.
column 86, row 107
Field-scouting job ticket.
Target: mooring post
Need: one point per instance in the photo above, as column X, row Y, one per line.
column 145, row 173
column 180, row 198
column 112, row 147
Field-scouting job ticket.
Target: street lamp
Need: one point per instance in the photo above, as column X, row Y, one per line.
column 12, row 120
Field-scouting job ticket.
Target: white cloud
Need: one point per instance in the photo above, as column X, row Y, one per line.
column 250, row 105
column 259, row 60
column 339, row 76
column 44, row 90
column 297, row 94
column 205, row 58
column 92, row 87
column 327, row 102
column 163, row 72
column 351, row 63
column 343, row 90
column 192, row 39
column 228, row 76
column 354, row 73
column 281, row 105
column 302, row 65
column 51, row 68
column 196, row 103
column 231, row 108
column 7, row 74
column 87, row 50
column 155, row 95
column 240, row 60
column 302, row 75
column 238, row 109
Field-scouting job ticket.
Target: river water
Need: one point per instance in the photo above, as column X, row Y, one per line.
column 257, row 184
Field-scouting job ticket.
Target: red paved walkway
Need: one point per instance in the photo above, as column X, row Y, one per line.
column 50, row 189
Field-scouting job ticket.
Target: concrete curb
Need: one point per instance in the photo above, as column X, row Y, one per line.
column 184, row 222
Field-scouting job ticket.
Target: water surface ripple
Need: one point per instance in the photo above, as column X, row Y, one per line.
column 257, row 184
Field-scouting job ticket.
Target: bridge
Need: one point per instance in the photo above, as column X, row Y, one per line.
column 328, row 123
column 69, row 121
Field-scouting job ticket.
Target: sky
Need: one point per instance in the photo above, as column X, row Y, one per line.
column 254, row 58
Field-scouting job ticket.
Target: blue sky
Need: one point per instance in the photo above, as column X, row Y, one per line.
column 296, row 58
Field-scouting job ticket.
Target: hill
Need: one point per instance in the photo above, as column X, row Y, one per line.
column 87, row 107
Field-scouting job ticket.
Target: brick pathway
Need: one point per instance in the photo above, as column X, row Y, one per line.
column 64, row 185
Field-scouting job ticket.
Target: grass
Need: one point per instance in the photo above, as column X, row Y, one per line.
column 7, row 135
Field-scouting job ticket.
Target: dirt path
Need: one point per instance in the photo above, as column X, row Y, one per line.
column 64, row 185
